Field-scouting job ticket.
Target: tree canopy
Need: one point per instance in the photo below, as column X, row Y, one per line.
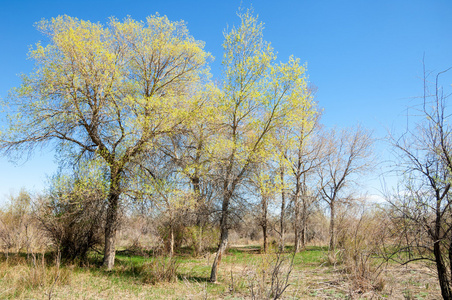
column 108, row 92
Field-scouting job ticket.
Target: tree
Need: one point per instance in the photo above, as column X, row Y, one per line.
column 301, row 150
column 108, row 92
column 348, row 156
column 257, row 95
column 422, row 211
column 187, row 151
column 306, row 158
column 266, row 185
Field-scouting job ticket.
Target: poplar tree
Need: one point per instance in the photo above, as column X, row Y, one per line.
column 257, row 97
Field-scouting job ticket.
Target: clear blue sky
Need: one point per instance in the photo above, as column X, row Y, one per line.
column 365, row 57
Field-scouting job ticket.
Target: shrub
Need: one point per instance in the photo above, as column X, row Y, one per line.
column 358, row 244
column 18, row 227
column 201, row 238
column 159, row 269
column 270, row 278
column 72, row 215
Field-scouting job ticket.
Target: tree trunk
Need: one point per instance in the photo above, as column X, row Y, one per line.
column 200, row 218
column 199, row 204
column 224, row 227
column 450, row 259
column 297, row 221
column 199, row 245
column 111, row 224
column 171, row 248
column 283, row 207
column 110, row 233
column 218, row 256
column 332, row 240
column 265, row 223
column 444, row 282
column 304, row 221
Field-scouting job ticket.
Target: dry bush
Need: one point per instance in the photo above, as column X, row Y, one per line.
column 179, row 229
column 19, row 230
column 317, row 229
column 248, row 228
column 72, row 215
column 159, row 269
column 167, row 232
column 138, row 234
column 359, row 236
column 172, row 233
column 269, row 279
column 19, row 275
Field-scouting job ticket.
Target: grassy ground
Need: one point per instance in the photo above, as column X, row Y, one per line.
column 137, row 277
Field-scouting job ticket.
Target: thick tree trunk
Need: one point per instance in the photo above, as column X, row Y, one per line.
column 444, row 282
column 110, row 232
column 112, row 221
column 199, row 204
column 199, row 245
column 450, row 259
column 265, row 234
column 443, row 276
column 224, row 227
column 332, row 237
column 300, row 213
column 221, row 249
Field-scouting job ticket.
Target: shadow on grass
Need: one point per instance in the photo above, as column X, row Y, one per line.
column 257, row 249
column 193, row 279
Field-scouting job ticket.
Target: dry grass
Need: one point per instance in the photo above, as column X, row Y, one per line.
column 309, row 279
column 20, row 275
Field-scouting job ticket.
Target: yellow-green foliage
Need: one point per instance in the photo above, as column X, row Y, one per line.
column 107, row 89
column 259, row 96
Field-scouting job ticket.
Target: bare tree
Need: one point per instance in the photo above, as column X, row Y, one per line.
column 282, row 216
column 17, row 228
column 348, row 157
column 304, row 159
column 422, row 212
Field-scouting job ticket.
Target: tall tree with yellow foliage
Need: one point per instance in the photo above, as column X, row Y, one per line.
column 109, row 91
column 258, row 96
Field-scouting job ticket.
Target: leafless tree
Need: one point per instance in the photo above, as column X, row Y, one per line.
column 422, row 212
column 348, row 157
column 306, row 158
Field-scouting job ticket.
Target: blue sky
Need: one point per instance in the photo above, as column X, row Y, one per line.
column 365, row 57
